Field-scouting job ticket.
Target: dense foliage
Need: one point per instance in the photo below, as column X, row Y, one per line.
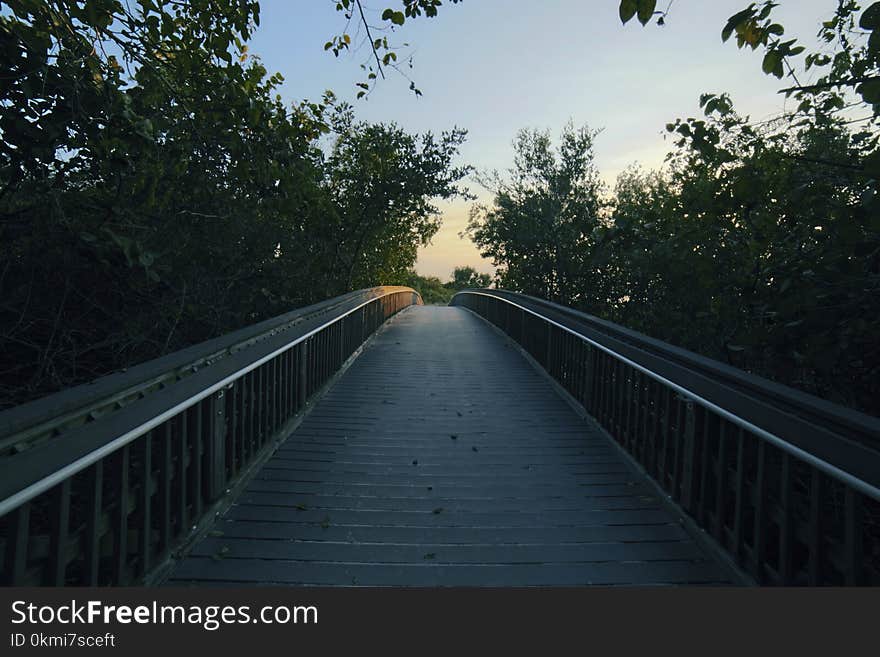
column 758, row 244
column 434, row 291
column 155, row 191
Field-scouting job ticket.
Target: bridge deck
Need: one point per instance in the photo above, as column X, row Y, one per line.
column 442, row 458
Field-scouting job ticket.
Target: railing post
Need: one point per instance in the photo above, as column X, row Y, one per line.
column 341, row 344
column 216, row 447
column 17, row 541
column 687, row 484
column 853, row 523
column 302, row 380
column 549, row 347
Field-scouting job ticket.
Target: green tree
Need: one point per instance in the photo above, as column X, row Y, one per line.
column 545, row 217
column 155, row 191
column 433, row 291
column 756, row 251
column 467, row 277
column 382, row 180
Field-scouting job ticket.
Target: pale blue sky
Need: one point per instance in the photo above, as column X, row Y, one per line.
column 495, row 66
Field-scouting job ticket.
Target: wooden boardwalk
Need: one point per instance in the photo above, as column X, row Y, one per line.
column 442, row 458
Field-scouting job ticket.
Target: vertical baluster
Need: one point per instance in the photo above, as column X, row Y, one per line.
column 760, row 493
column 814, row 531
column 59, row 531
column 289, row 402
column 583, row 355
column 15, row 560
column 613, row 381
column 638, row 418
column 721, row 482
column 739, row 508
column 252, row 416
column 242, row 419
column 664, row 439
column 165, row 473
column 182, row 479
column 626, row 414
column 619, row 378
column 704, row 448
column 197, row 414
column 589, row 379
column 276, row 394
column 94, row 509
column 216, row 457
column 292, row 380
column 146, row 525
column 548, row 359
column 120, row 529
column 785, row 522
column 678, row 439
column 341, row 358
column 853, row 516
column 260, row 402
column 233, row 462
column 303, row 378
column 689, row 446
column 649, row 457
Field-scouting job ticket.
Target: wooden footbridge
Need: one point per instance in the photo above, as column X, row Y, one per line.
column 499, row 441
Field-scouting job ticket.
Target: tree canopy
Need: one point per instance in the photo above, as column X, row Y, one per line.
column 156, row 191
column 757, row 244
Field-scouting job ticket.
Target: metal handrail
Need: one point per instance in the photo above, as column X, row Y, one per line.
column 47, row 417
column 45, row 483
column 114, row 497
column 787, row 486
column 866, row 488
column 840, row 420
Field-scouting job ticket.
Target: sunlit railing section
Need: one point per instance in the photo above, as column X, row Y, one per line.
column 787, row 484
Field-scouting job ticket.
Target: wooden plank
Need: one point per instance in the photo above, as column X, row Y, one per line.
column 486, row 491
column 536, row 553
column 451, row 535
column 260, row 571
column 415, row 504
column 445, row 518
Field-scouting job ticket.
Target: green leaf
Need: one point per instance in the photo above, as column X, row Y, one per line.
column 628, row 9
column 736, row 20
column 870, row 19
column 870, row 91
column 387, row 14
column 398, row 18
column 646, row 10
column 772, row 63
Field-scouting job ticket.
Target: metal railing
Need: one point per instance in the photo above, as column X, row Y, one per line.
column 102, row 483
column 787, row 484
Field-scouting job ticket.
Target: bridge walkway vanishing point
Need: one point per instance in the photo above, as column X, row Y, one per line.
column 441, row 457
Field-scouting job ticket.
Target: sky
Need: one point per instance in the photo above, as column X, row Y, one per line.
column 494, row 67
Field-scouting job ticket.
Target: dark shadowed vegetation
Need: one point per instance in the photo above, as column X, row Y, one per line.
column 758, row 244
column 155, row 191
